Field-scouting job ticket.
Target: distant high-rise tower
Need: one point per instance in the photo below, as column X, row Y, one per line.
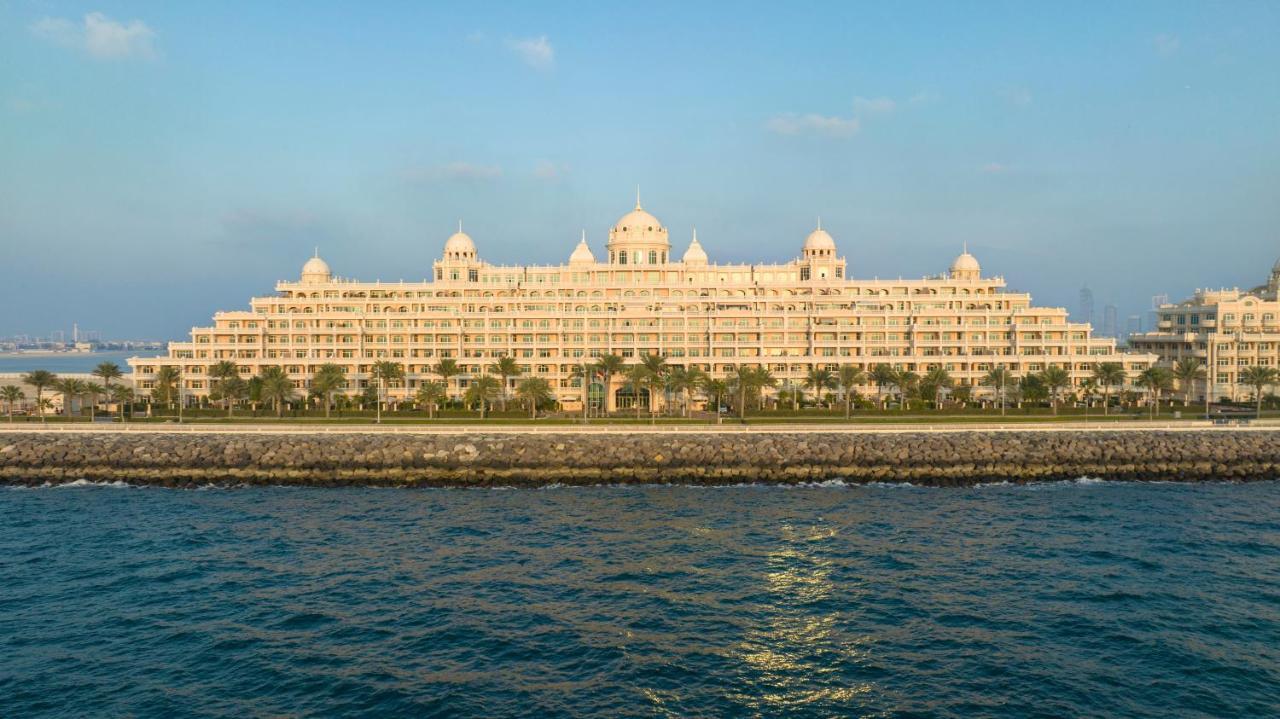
column 1133, row 326
column 1111, row 321
column 1086, row 304
column 1153, row 317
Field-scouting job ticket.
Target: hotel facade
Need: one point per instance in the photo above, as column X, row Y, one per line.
column 638, row 298
column 1227, row 330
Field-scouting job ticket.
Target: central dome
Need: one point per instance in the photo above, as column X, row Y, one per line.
column 640, row 238
column 638, row 221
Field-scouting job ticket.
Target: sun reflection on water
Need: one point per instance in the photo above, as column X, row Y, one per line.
column 793, row 657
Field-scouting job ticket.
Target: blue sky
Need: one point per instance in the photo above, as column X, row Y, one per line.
column 159, row 161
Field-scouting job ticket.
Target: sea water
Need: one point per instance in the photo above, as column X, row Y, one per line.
column 1056, row 600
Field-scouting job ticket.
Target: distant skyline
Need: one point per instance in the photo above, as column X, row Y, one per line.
column 160, row 161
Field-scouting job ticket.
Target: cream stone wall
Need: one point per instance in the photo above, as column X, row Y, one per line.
column 1227, row 330
column 789, row 317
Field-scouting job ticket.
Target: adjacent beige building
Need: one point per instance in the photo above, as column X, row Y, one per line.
column 1227, row 330
column 640, row 297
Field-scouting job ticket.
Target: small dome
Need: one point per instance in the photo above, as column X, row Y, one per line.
column 819, row 239
column 582, row 253
column 459, row 243
column 637, row 221
column 638, row 231
column 966, row 263
column 316, row 270
column 695, row 254
column 315, row 266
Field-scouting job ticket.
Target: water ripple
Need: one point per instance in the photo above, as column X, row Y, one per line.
column 1059, row 599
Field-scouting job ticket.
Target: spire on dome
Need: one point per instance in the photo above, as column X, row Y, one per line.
column 582, row 253
column 638, row 198
column 695, row 254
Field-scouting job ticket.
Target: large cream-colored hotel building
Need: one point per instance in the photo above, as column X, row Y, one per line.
column 639, row 298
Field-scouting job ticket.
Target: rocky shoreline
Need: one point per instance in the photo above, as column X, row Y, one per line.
column 957, row 458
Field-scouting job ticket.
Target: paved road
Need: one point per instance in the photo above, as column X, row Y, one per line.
column 272, row 428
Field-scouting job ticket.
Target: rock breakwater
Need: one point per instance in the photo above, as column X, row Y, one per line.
column 480, row 459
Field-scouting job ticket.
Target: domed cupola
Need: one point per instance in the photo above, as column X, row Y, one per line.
column 582, row 253
column 695, row 255
column 459, row 247
column 965, row 266
column 819, row 244
column 638, row 239
column 316, row 270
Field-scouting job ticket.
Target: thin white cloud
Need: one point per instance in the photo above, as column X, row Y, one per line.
column 547, row 170
column 993, row 168
column 831, row 126
column 873, row 104
column 536, row 52
column 792, row 123
column 99, row 36
column 1166, row 44
column 453, row 171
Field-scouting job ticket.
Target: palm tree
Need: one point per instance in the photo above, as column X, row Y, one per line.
column 747, row 381
column 482, row 390
column 232, row 389
column 820, row 379
column 121, row 395
column 506, row 368
column 1000, row 380
column 11, row 394
column 277, row 388
column 447, row 368
column 584, row 374
column 639, row 377
column 1108, row 375
column 430, row 394
column 657, row 366
column 1257, row 378
column 677, row 380
column 793, row 393
column 885, row 377
column 1155, row 380
column 849, row 377
column 166, row 384
column 936, row 381
column 534, row 391
column 107, row 371
column 253, row 392
column 1054, row 378
column 685, row 380
column 70, row 389
column 1088, row 389
column 221, row 372
column 908, row 386
column 608, row 365
column 91, row 390
column 695, row 379
column 329, row 378
column 1187, row 370
column 40, row 379
column 764, row 379
column 384, row 373
column 716, row 389
column 1033, row 390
